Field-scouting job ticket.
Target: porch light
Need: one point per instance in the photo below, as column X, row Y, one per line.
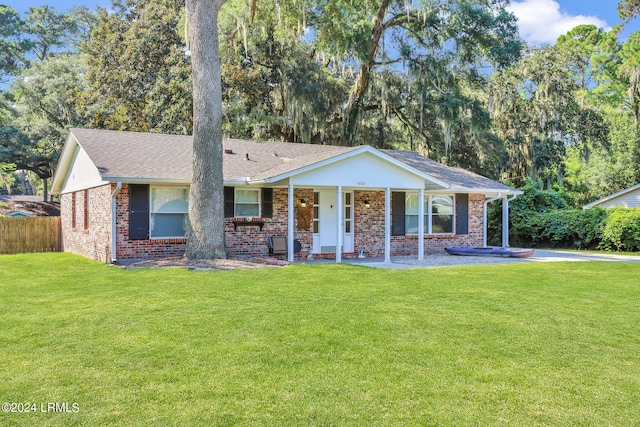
column 367, row 204
column 303, row 203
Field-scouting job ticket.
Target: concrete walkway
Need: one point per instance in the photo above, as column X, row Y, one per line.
column 444, row 260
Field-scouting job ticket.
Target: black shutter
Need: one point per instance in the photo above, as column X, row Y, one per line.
column 462, row 214
column 397, row 213
column 229, row 205
column 267, row 202
column 138, row 212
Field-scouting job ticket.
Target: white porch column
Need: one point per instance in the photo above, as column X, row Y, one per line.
column 290, row 225
column 505, row 222
column 387, row 225
column 340, row 227
column 421, row 223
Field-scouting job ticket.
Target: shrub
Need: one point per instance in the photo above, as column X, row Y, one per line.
column 541, row 218
column 622, row 230
column 571, row 228
column 526, row 223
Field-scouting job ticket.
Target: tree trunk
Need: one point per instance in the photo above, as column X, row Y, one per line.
column 45, row 186
column 354, row 105
column 205, row 238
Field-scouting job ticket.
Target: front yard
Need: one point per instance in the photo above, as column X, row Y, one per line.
column 524, row 344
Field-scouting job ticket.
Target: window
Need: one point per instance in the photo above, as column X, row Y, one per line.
column 73, row 210
column 316, row 212
column 439, row 213
column 348, row 205
column 86, row 210
column 169, row 212
column 411, row 214
column 247, row 203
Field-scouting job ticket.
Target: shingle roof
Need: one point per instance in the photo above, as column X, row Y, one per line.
column 158, row 156
column 458, row 177
column 135, row 155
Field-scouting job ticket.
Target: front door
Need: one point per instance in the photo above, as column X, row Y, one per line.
column 325, row 222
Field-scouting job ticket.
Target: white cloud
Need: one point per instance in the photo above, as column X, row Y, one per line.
column 542, row 21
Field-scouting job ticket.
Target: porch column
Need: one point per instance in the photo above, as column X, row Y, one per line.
column 505, row 222
column 340, row 224
column 290, row 225
column 421, row 223
column 387, row 225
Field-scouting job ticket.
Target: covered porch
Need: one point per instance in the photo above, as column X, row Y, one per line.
column 353, row 204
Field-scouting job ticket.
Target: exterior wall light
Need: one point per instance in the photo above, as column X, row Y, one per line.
column 303, row 203
column 367, row 204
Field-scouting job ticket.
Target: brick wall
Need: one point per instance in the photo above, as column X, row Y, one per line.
column 369, row 228
column 240, row 239
column 94, row 241
column 147, row 248
column 247, row 239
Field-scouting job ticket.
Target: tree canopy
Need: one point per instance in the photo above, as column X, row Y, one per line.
column 449, row 79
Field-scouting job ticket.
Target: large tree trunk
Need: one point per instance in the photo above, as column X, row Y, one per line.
column 205, row 238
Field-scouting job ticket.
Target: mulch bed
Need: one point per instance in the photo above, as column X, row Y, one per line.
column 208, row 264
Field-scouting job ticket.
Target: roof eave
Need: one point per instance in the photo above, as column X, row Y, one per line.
column 476, row 190
column 145, row 180
column 64, row 163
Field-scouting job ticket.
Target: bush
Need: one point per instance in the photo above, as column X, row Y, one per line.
column 541, row 218
column 526, row 222
column 622, row 230
column 571, row 228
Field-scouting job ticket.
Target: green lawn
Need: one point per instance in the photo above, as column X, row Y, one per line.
column 523, row 344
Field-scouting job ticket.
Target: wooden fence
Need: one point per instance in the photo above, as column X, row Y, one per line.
column 36, row 234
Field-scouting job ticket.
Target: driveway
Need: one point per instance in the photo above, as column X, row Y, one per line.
column 442, row 260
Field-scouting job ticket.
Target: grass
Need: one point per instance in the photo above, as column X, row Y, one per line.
column 531, row 344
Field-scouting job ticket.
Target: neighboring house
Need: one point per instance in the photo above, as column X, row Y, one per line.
column 627, row 198
column 125, row 195
column 19, row 214
column 27, row 206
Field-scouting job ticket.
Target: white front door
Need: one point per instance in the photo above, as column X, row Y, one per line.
column 325, row 221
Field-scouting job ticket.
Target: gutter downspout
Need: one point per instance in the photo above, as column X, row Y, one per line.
column 114, row 236
column 484, row 219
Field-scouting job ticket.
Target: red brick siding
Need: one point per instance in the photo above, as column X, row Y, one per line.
column 244, row 240
column 247, row 240
column 369, row 228
column 147, row 248
column 95, row 241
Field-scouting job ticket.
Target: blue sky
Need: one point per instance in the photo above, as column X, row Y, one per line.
column 540, row 21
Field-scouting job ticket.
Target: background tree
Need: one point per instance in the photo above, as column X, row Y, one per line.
column 40, row 104
column 138, row 70
column 49, row 31
column 628, row 10
column 370, row 73
column 13, row 43
column 45, row 108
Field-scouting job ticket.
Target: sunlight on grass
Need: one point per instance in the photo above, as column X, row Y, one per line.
column 523, row 344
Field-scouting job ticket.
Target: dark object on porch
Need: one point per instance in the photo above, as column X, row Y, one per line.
column 278, row 245
column 495, row 252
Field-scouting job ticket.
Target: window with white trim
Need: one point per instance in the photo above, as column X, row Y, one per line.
column 439, row 214
column 169, row 212
column 247, row 203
